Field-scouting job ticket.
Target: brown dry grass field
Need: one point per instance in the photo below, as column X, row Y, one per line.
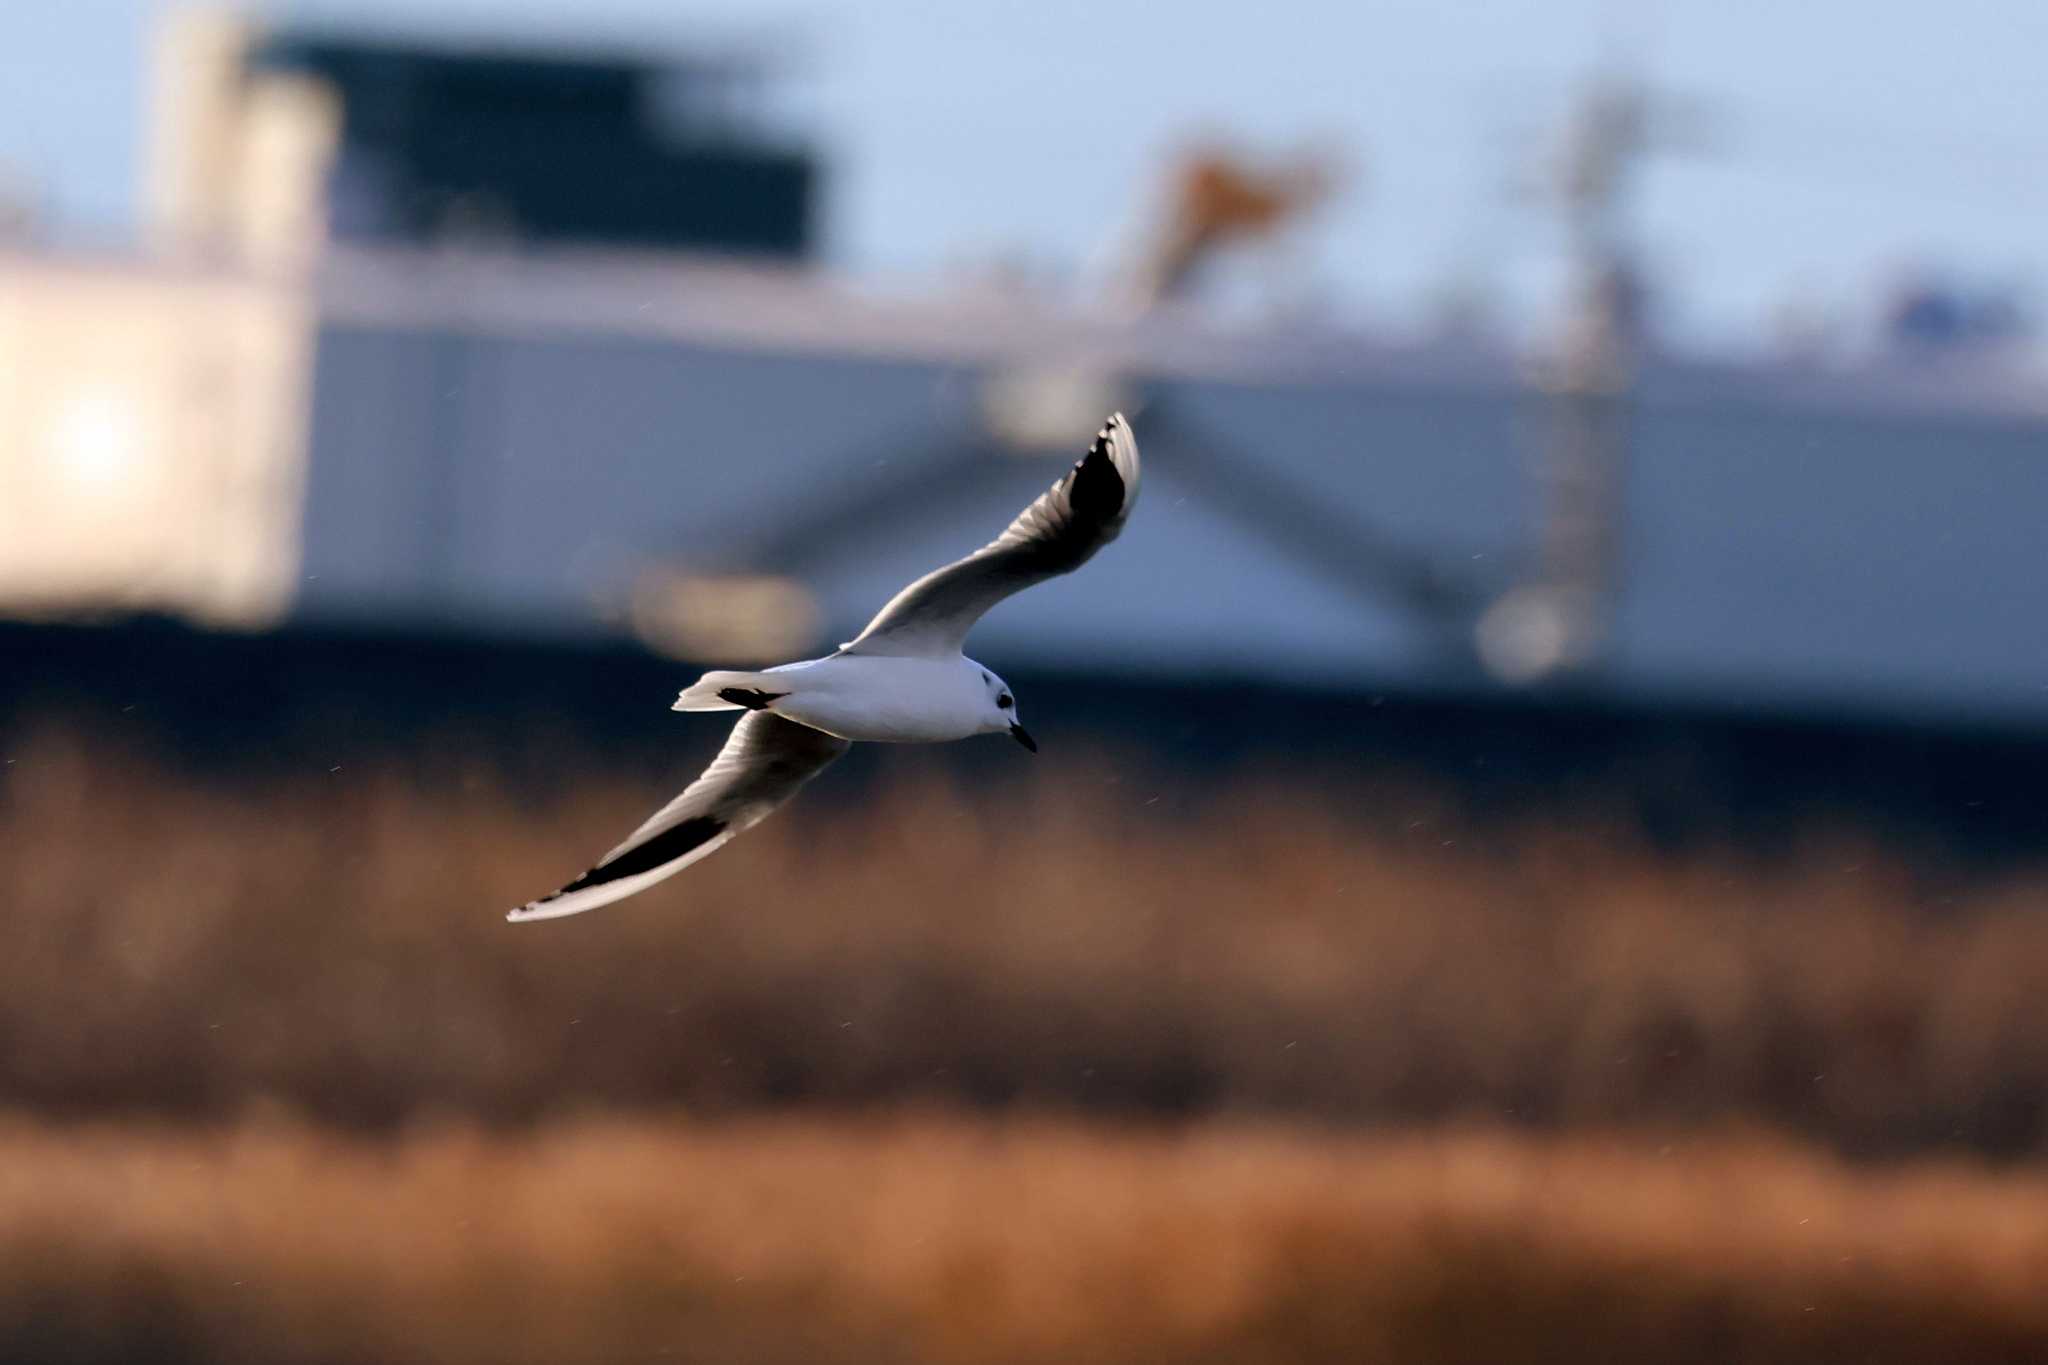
column 334, row 947
column 934, row 1239
column 1289, row 1074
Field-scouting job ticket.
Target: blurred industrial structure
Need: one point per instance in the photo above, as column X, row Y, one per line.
column 1558, row 618
column 449, row 145
column 538, row 344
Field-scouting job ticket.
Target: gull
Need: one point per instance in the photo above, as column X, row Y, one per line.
column 904, row 679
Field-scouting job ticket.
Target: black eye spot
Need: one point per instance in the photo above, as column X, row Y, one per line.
column 1006, row 701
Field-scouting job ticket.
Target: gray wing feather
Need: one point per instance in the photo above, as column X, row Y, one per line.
column 762, row 765
column 1057, row 534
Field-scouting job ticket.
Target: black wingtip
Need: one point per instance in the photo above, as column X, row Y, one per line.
column 1096, row 492
column 1103, row 438
column 665, row 847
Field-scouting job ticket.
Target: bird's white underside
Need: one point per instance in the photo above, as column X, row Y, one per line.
column 903, row 679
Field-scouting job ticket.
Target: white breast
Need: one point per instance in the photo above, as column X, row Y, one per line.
column 885, row 699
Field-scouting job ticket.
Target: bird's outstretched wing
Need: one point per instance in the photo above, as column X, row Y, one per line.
column 761, row 766
column 1057, row 534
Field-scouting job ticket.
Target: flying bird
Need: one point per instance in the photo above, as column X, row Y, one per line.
column 903, row 679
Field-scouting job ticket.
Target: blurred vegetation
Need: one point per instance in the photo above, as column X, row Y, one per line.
column 940, row 1240
column 333, row 947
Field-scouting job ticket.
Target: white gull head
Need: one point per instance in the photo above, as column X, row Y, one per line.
column 1000, row 716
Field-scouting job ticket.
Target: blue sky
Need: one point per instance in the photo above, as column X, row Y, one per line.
column 1849, row 136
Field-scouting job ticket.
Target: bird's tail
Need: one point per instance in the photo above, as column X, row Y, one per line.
column 730, row 690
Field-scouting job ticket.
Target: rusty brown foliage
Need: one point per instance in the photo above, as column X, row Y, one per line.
column 333, row 946
column 938, row 1240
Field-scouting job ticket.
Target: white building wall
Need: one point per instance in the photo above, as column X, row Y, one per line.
column 152, row 439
